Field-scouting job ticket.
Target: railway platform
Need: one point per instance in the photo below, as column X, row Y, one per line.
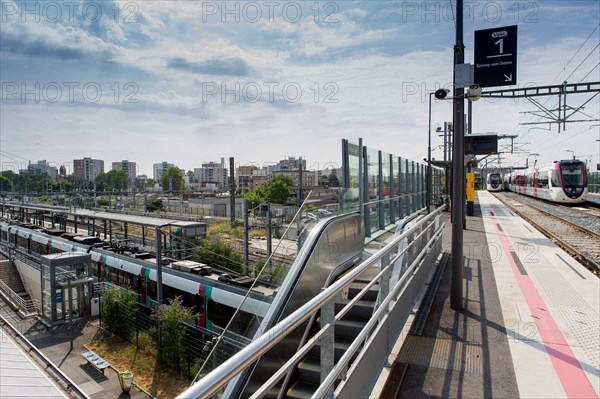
column 529, row 327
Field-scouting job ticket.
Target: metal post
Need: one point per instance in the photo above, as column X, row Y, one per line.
column 245, row 210
column 232, row 189
column 70, row 301
column 458, row 195
column 299, row 201
column 269, row 239
column 365, row 192
column 361, row 201
column 159, row 288
column 428, row 199
column 470, row 200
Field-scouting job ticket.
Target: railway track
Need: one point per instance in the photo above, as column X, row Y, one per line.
column 576, row 231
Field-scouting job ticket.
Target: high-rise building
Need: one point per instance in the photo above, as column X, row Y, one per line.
column 288, row 164
column 160, row 168
column 248, row 175
column 126, row 166
column 87, row 169
column 44, row 167
column 212, row 172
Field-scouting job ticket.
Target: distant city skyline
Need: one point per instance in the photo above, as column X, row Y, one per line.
column 191, row 82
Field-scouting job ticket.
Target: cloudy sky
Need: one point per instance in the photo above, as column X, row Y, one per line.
column 193, row 81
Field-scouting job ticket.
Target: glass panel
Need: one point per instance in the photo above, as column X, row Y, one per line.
column 397, row 188
column 373, row 187
column 46, row 294
column 353, row 164
column 410, row 186
column 387, row 189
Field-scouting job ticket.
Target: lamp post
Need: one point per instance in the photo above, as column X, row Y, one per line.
column 440, row 94
column 572, row 152
column 428, row 200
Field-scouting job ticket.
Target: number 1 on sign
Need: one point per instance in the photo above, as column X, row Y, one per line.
column 500, row 43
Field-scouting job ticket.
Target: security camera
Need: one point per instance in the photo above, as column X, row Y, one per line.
column 440, row 94
column 474, row 92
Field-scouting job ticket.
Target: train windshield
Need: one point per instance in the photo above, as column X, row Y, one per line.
column 495, row 179
column 572, row 175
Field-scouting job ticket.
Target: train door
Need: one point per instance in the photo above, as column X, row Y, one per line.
column 201, row 306
column 207, row 298
column 144, row 297
column 143, row 285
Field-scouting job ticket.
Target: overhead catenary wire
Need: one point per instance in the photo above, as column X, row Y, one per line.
column 532, row 117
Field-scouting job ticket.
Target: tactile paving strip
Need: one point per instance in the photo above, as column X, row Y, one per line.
column 441, row 353
column 580, row 318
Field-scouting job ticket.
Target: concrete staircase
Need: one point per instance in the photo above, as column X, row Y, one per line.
column 13, row 289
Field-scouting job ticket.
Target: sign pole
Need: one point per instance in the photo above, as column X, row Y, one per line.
column 458, row 194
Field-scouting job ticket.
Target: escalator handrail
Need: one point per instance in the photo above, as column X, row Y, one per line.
column 219, row 377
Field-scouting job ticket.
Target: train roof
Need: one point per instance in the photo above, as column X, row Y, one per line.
column 139, row 219
column 130, row 263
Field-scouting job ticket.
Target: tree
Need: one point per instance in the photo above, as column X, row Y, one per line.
column 154, row 205
column 172, row 180
column 117, row 180
column 5, row 184
column 277, row 191
column 171, row 320
column 118, row 309
column 333, row 180
column 256, row 197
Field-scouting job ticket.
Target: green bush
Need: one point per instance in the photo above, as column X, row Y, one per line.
column 118, row 310
column 146, row 343
column 170, row 319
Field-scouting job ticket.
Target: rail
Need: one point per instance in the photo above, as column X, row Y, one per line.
column 27, row 306
column 405, row 265
column 47, row 362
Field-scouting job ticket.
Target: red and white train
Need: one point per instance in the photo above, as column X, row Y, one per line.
column 561, row 181
column 494, row 182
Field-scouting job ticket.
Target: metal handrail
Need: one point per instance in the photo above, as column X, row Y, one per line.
column 46, row 361
column 219, row 377
column 25, row 305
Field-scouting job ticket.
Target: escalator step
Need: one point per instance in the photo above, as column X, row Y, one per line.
column 362, row 309
column 309, row 370
column 301, row 390
column 348, row 328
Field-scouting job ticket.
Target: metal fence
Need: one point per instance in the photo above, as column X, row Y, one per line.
column 147, row 334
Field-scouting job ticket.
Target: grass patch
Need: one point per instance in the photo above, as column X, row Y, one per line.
column 157, row 380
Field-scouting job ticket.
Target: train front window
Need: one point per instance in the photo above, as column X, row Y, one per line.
column 555, row 179
column 572, row 176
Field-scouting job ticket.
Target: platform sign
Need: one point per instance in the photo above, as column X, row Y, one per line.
column 481, row 144
column 59, row 297
column 496, row 56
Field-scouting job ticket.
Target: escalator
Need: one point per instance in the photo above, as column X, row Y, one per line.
column 306, row 377
column 330, row 249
